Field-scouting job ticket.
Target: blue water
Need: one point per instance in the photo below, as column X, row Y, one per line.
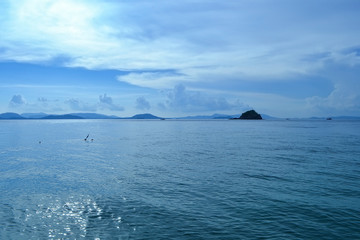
column 179, row 179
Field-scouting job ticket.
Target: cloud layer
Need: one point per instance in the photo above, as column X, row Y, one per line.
column 247, row 37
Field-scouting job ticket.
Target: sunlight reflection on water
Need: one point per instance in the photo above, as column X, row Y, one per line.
column 58, row 218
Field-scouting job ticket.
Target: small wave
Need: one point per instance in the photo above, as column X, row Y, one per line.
column 267, row 177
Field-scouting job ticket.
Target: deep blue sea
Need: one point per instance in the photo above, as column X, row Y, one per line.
column 177, row 179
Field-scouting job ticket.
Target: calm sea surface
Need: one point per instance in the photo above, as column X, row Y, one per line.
column 179, row 179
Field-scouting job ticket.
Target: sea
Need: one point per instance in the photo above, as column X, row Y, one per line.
column 179, row 179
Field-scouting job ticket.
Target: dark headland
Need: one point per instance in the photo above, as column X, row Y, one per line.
column 249, row 115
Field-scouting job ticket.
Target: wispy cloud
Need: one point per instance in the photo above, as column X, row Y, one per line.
column 160, row 79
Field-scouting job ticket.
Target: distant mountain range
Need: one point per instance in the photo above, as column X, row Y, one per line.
column 10, row 115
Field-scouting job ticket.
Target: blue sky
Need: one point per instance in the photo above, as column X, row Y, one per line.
column 179, row 58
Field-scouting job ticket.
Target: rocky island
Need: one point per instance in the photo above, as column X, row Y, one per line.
column 249, row 115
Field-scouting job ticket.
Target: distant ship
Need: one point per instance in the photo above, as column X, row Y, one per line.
column 329, row 118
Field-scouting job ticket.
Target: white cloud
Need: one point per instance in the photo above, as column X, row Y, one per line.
column 17, row 101
column 78, row 105
column 42, row 100
column 106, row 102
column 142, row 103
column 72, row 104
column 181, row 99
column 344, row 100
column 345, row 97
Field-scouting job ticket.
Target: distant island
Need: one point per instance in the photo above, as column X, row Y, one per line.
column 249, row 115
column 65, row 116
column 145, row 116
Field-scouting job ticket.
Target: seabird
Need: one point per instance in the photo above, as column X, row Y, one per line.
column 86, row 137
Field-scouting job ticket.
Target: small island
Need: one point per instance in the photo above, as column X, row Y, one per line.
column 249, row 115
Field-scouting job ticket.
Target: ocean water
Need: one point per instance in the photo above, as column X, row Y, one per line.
column 144, row 179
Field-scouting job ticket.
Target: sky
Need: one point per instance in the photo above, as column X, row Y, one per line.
column 180, row 58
